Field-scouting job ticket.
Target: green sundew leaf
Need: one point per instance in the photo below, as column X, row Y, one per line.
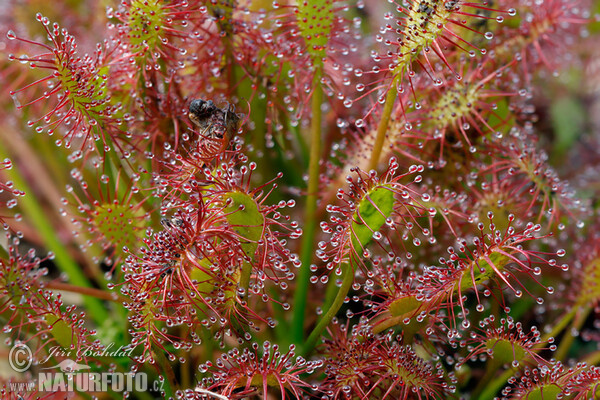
column 146, row 24
column 403, row 305
column 544, row 392
column 432, row 16
column 119, row 224
column 99, row 82
column 94, row 89
column 594, row 23
column 315, row 19
column 207, row 286
column 499, row 261
column 246, row 220
column 61, row 331
column 372, row 212
column 590, row 292
column 505, row 351
column 204, row 280
column 501, row 119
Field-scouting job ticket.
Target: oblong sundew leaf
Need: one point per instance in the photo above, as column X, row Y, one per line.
column 61, row 332
column 498, row 259
column 120, row 224
column 315, row 19
column 375, row 207
column 89, row 96
column 505, row 351
column 404, row 305
column 207, row 285
column 544, row 392
column 146, row 24
column 590, row 291
column 433, row 16
column 204, row 281
column 245, row 218
column 372, row 211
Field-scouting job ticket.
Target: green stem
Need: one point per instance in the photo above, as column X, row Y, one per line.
column 560, row 325
column 142, row 395
column 330, row 293
column 184, row 371
column 347, row 279
column 592, row 359
column 282, row 329
column 310, row 211
column 38, row 217
column 207, row 343
column 567, row 340
column 166, row 372
column 383, row 123
column 490, row 371
column 259, row 111
column 494, row 386
column 245, row 274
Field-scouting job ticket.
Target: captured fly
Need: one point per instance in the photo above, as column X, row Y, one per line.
column 217, row 125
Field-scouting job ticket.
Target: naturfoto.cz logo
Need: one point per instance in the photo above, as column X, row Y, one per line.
column 70, row 376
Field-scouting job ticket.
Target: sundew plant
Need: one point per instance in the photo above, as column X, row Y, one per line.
column 300, row 199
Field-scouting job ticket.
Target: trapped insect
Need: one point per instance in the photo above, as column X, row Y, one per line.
column 217, row 125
